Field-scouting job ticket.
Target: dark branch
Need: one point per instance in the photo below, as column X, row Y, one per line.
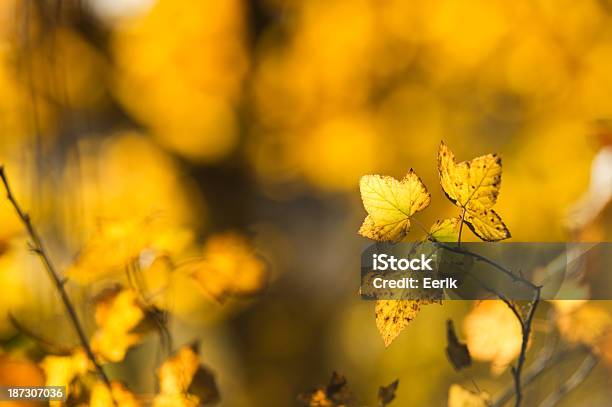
column 508, row 272
column 517, row 370
column 39, row 248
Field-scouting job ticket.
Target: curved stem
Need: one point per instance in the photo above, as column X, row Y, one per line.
column 461, row 227
column 526, row 330
column 490, row 262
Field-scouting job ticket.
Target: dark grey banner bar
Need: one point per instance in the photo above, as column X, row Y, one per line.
column 479, row 270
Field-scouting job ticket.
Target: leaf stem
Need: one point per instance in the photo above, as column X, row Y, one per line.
column 461, row 226
column 39, row 248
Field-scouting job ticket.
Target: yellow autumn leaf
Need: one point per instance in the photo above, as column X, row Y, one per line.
column 474, row 186
column 459, row 396
column 101, row 397
column 392, row 316
column 175, row 376
column 390, row 204
column 63, row 370
column 446, row 230
column 493, row 334
column 229, row 266
column 183, row 382
column 117, row 313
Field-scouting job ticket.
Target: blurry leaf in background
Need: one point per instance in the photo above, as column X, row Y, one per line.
column 128, row 177
column 583, row 323
column 386, row 394
column 493, row 334
column 321, row 152
column 335, row 394
column 117, row 314
column 101, row 397
column 390, row 204
column 229, row 266
column 184, row 80
column 459, row 396
column 176, row 378
column 204, row 386
column 474, row 186
column 457, row 352
column 63, row 370
column 84, row 87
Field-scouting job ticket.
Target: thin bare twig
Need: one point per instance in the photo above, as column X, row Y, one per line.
column 39, row 248
column 587, row 366
column 526, row 331
column 505, row 270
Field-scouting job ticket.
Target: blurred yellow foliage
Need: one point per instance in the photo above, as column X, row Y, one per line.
column 587, row 324
column 183, row 79
column 117, row 314
column 101, row 397
column 309, row 95
column 493, row 334
column 228, row 266
column 128, row 176
column 17, row 292
column 16, row 371
column 459, row 396
column 119, row 244
column 63, row 370
column 175, row 376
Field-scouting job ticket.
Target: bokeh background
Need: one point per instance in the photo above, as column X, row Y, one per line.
column 259, row 117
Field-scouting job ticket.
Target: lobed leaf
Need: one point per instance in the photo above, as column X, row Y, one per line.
column 390, row 204
column 474, row 187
